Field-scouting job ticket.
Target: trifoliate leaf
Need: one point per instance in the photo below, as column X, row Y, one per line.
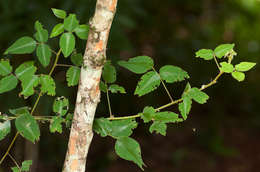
column 28, row 85
column 197, row 95
column 158, row 127
column 8, row 83
column 43, row 52
column 24, row 45
column 102, row 126
column 139, row 64
column 185, row 106
column 76, row 59
column 67, row 43
column 244, row 66
column 148, row 82
column 114, row 88
column 71, row 23
column 226, row 67
column 148, row 114
column 239, row 76
column 72, row 76
column 26, row 165
column 221, row 50
column 5, row 67
column 59, row 13
column 109, row 73
column 129, row 149
column 102, row 86
column 5, row 128
column 206, row 54
column 28, row 127
column 167, row 117
column 61, row 105
column 58, row 29
column 19, row 111
column 172, row 74
column 25, row 70
column 47, row 85
column 82, row 31
column 56, row 124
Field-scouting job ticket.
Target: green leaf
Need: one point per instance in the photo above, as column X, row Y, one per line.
column 76, row 59
column 67, row 43
column 82, row 31
column 109, row 73
column 102, row 126
column 226, row 67
column 187, row 89
column 28, row 85
column 122, row 128
column 47, row 85
column 172, row 74
column 148, row 114
column 56, row 124
column 103, row 86
column 26, row 165
column 25, row 70
column 57, row 29
column 68, row 120
column 71, row 22
column 28, row 127
column 223, row 49
column 24, row 45
column 158, row 127
column 129, row 149
column 8, row 83
column 5, row 67
column 43, row 52
column 206, row 54
column 42, row 34
column 61, row 105
column 19, row 111
column 114, row 88
column 239, row 76
column 139, row 64
column 72, row 76
column 59, row 13
column 149, row 82
column 5, row 128
column 185, row 106
column 15, row 169
column 38, row 25
column 167, row 117
column 244, row 66
column 197, row 95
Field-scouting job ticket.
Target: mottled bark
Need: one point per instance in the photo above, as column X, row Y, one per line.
column 88, row 95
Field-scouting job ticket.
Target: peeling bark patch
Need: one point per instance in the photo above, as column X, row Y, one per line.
column 99, row 45
column 113, row 5
column 74, row 165
column 72, row 145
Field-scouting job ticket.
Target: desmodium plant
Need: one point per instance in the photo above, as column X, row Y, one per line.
column 118, row 127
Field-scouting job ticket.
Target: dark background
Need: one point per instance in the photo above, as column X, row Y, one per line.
column 222, row 135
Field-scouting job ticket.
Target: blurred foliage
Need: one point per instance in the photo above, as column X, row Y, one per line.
column 217, row 136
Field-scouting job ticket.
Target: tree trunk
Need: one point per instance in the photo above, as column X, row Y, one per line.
column 88, row 95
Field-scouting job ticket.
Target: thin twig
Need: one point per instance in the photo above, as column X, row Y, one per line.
column 12, row 158
column 108, row 102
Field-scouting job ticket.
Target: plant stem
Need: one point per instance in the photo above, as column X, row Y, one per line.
column 64, row 65
column 12, row 158
column 216, row 61
column 108, row 102
column 9, row 147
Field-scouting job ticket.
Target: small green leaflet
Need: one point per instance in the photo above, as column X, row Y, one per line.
column 26, row 165
column 167, row 117
column 5, row 128
column 59, row 13
column 114, row 88
column 61, row 105
column 28, row 85
column 158, row 127
column 206, row 54
column 25, row 70
column 239, row 76
column 38, row 25
column 19, row 111
column 58, row 29
column 5, row 67
column 68, row 120
column 223, row 49
column 42, row 34
column 24, row 45
column 185, row 106
column 109, row 73
column 148, row 82
column 67, row 43
column 148, row 114
column 139, row 64
column 102, row 126
column 172, row 74
column 82, row 31
column 244, row 66
column 56, row 124
column 28, row 127
column 43, row 52
column 129, row 149
column 72, row 76
column 76, row 59
column 47, row 85
column 15, row 169
column 8, row 83
column 197, row 95
column 102, row 86
column 226, row 67
column 71, row 23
